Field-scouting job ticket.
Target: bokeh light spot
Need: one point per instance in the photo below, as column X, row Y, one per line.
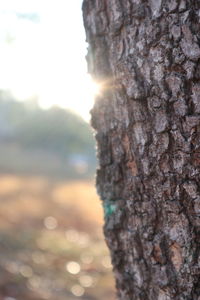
column 86, row 280
column 84, row 239
column 106, row 262
column 73, row 267
column 12, row 267
column 38, row 257
column 77, row 290
column 26, row 271
column 72, row 235
column 34, row 282
column 87, row 258
column 50, row 223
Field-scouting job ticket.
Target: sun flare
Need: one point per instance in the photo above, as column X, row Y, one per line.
column 78, row 97
column 46, row 60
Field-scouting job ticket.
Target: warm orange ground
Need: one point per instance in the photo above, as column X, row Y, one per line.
column 44, row 225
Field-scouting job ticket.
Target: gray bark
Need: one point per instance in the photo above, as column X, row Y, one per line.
column 146, row 54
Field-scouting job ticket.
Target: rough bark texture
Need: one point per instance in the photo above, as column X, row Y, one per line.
column 146, row 55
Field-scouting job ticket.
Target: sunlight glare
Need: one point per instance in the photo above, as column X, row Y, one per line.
column 42, row 63
column 79, row 94
column 94, row 86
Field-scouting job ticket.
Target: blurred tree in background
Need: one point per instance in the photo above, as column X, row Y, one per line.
column 48, row 136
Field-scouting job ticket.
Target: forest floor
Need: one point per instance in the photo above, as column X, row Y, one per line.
column 51, row 241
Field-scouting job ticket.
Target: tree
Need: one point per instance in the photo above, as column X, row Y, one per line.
column 146, row 54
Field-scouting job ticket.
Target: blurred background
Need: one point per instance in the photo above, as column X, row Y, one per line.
column 51, row 241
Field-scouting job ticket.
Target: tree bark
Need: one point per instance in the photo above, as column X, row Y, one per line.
column 146, row 54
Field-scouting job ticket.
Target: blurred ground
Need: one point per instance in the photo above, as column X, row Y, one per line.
column 51, row 240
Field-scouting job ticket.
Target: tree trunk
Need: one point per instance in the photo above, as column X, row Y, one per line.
column 146, row 54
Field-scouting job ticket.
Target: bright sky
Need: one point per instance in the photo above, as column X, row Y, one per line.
column 42, row 53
